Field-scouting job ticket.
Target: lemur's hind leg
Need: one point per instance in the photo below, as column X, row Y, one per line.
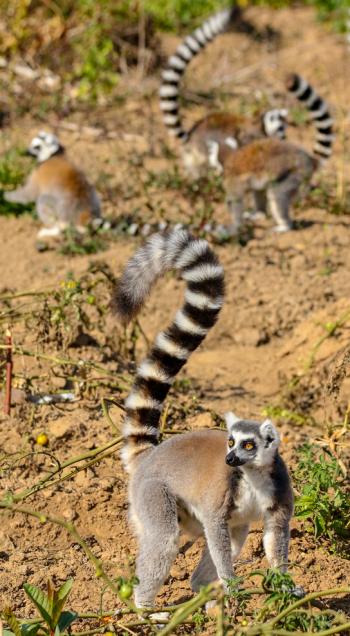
column 158, row 534
column 260, row 201
column 280, row 196
column 205, row 571
column 46, row 207
column 235, row 206
column 25, row 194
column 260, row 206
column 238, row 537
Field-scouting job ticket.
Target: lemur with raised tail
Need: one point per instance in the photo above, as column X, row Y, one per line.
column 235, row 130
column 62, row 193
column 210, row 483
column 274, row 171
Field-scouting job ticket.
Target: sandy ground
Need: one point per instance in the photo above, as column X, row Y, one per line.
column 281, row 292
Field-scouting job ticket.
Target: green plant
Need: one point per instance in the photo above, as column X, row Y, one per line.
column 50, row 606
column 325, row 196
column 13, row 169
column 281, row 595
column 323, row 499
column 96, row 73
column 279, row 413
column 75, row 244
column 173, row 14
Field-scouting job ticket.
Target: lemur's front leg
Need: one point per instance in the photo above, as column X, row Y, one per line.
column 219, row 543
column 276, row 539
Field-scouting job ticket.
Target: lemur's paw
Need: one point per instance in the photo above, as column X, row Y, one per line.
column 47, row 232
column 282, row 228
column 254, row 216
column 211, row 607
column 160, row 616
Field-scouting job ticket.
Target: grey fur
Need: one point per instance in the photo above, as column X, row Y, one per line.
column 177, row 63
column 275, row 172
column 203, row 275
column 61, row 191
column 171, row 473
column 186, row 483
column 216, row 127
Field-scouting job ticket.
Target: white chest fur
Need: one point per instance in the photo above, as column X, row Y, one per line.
column 255, row 495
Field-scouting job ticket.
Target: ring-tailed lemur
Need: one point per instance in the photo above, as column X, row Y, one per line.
column 274, row 170
column 61, row 191
column 236, row 130
column 211, row 483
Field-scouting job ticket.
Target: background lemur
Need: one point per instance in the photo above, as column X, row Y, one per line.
column 61, row 191
column 274, row 170
column 218, row 127
column 211, row 483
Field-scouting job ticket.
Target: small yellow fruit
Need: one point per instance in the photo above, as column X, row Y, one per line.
column 42, row 439
column 125, row 591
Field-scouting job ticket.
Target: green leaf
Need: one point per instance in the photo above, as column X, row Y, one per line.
column 66, row 619
column 30, row 629
column 12, row 621
column 60, row 598
column 65, row 589
column 41, row 602
column 6, row 632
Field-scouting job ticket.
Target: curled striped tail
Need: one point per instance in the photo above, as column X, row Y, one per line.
column 319, row 114
column 177, row 63
column 204, row 278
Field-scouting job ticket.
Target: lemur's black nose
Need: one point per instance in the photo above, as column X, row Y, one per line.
column 233, row 460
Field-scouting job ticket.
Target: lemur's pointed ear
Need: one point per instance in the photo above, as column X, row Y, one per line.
column 269, row 433
column 231, row 419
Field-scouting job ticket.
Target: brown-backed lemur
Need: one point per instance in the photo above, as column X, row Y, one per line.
column 61, row 191
column 232, row 129
column 274, row 171
column 210, row 483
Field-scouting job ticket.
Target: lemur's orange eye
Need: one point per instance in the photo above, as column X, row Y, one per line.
column 248, row 446
column 231, row 443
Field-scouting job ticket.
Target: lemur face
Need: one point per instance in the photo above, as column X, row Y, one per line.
column 44, row 146
column 275, row 122
column 250, row 443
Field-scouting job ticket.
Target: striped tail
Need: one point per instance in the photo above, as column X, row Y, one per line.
column 319, row 114
column 204, row 277
column 177, row 63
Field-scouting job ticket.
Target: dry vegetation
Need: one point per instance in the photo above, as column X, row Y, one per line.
column 281, row 346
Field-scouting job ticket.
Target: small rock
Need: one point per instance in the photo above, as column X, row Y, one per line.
column 26, row 72
column 250, row 337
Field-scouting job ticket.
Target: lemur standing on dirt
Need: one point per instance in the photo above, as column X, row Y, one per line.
column 211, row 483
column 235, row 130
column 273, row 170
column 61, row 191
